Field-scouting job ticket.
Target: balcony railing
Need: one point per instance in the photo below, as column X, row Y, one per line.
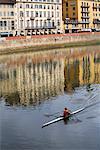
column 96, row 21
column 85, row 6
column 84, row 22
column 32, row 18
column 87, row 17
column 71, row 21
column 40, row 27
column 48, row 18
column 84, row 11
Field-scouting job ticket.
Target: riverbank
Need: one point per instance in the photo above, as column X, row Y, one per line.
column 46, row 42
column 48, row 47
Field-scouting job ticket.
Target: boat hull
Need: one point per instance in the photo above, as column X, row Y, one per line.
column 62, row 118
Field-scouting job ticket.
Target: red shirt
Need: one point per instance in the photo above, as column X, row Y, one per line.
column 65, row 113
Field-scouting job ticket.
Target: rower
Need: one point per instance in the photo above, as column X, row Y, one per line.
column 66, row 113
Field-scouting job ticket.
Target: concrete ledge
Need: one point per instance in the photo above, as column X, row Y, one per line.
column 14, row 44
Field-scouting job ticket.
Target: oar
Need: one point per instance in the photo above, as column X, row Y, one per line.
column 85, row 106
column 49, row 115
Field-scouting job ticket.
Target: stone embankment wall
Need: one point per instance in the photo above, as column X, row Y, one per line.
column 26, row 41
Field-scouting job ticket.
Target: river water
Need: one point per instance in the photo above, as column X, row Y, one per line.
column 34, row 89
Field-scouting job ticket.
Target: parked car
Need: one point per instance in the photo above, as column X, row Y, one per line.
column 59, row 31
column 86, row 30
column 46, row 32
column 29, row 33
column 22, row 33
column 37, row 32
column 97, row 30
column 54, row 32
column 33, row 32
column 41, row 32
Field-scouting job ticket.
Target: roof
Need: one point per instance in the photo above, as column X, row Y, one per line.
column 7, row 1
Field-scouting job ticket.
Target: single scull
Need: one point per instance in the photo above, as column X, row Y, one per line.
column 62, row 118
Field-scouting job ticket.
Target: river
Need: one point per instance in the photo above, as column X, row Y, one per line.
column 34, row 89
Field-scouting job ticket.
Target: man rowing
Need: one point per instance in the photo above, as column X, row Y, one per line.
column 66, row 113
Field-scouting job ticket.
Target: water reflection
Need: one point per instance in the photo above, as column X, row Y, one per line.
column 31, row 78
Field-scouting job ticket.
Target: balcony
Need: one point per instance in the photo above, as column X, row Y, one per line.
column 71, row 21
column 84, row 22
column 84, row 11
column 86, row 17
column 48, row 18
column 32, row 18
column 96, row 21
column 85, row 6
column 39, row 27
column 95, row 7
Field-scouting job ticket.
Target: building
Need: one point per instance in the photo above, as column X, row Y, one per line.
column 30, row 17
column 81, row 14
column 38, row 16
column 7, row 24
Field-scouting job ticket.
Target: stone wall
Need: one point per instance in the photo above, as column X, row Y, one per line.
column 25, row 41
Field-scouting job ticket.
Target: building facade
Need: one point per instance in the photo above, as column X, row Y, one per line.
column 38, row 16
column 7, row 19
column 29, row 17
column 81, row 14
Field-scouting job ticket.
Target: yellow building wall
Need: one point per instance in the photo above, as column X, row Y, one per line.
column 88, row 10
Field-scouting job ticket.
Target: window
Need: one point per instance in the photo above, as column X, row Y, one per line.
column 21, row 14
column 31, row 5
column 53, row 23
column 40, row 23
column 27, row 23
column 44, row 23
column 66, row 4
column 36, row 23
column 44, row 6
column 12, row 13
column 20, row 5
column 40, row 13
column 12, row 24
column 4, row 13
column 27, row 5
column 32, row 14
column 73, row 8
column 48, row 13
column 52, row 14
column 58, row 23
column 40, row 6
column 5, row 23
column 0, row 13
column 21, row 24
column 36, row 6
column 57, row 14
column 36, row 14
column 57, row 7
column 1, row 23
column 44, row 13
column 27, row 13
column 73, row 14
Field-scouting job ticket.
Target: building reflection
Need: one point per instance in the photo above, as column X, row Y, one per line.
column 81, row 69
column 31, row 78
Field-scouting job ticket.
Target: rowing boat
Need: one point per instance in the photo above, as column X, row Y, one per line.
column 62, row 118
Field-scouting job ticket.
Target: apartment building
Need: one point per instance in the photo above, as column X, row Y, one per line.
column 81, row 14
column 29, row 17
column 7, row 24
column 38, row 16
